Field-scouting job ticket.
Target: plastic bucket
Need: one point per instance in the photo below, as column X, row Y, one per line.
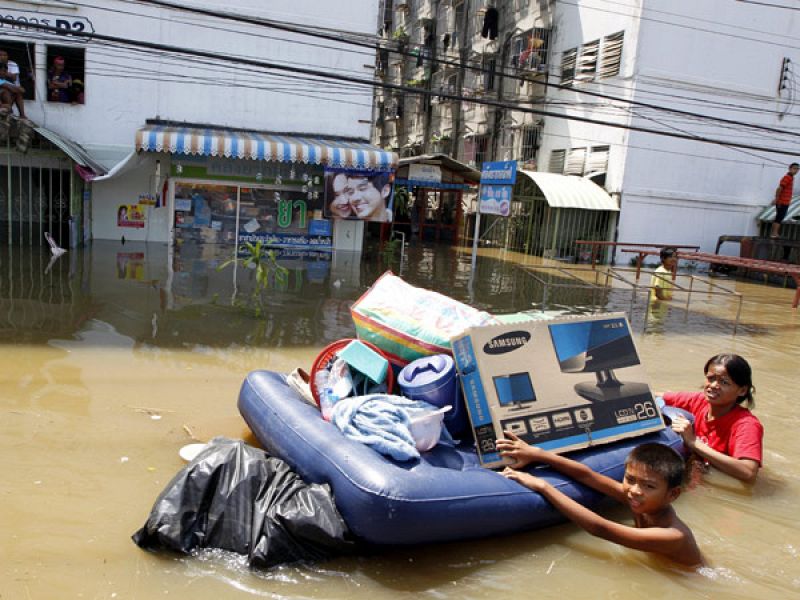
column 433, row 379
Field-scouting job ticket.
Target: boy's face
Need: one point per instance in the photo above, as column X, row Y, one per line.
column 669, row 263
column 646, row 490
column 366, row 200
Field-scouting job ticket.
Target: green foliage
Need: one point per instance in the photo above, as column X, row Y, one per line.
column 389, row 250
column 265, row 269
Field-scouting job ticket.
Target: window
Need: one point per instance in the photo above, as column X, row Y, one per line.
column 458, row 22
column 587, row 61
column 568, row 66
column 612, row 55
column 529, row 50
column 489, row 65
column 530, row 142
column 557, row 161
column 575, row 162
column 481, row 149
column 25, row 58
column 66, row 67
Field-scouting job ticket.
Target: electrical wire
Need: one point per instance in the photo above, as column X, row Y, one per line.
column 142, row 45
column 479, row 69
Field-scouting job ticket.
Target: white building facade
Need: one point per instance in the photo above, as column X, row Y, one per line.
column 716, row 59
column 593, row 77
column 174, row 99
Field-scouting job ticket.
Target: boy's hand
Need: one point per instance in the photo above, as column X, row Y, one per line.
column 683, row 427
column 514, row 448
column 529, row 481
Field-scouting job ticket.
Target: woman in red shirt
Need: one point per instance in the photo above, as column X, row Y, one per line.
column 725, row 433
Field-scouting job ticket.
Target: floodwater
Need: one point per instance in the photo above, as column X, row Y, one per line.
column 115, row 357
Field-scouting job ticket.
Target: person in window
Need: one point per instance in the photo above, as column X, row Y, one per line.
column 76, row 92
column 59, row 82
column 11, row 93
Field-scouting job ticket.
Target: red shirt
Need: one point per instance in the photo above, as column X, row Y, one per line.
column 785, row 195
column 738, row 434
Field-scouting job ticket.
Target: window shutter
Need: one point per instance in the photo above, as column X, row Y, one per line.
column 568, row 66
column 598, row 160
column 587, row 61
column 576, row 159
column 557, row 161
column 611, row 55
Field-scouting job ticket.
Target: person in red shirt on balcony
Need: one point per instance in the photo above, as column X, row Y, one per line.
column 783, row 197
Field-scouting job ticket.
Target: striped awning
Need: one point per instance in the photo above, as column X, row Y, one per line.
column 768, row 214
column 264, row 146
column 569, row 191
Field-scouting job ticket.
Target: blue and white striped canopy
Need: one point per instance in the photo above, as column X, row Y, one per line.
column 264, row 146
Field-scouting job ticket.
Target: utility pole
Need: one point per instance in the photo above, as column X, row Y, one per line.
column 463, row 54
column 431, row 66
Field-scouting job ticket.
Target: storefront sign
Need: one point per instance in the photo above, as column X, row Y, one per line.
column 286, row 240
column 131, row 215
column 499, row 173
column 495, row 200
column 425, row 172
column 319, row 227
column 358, row 195
column 26, row 21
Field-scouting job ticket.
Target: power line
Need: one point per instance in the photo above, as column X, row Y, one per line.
column 375, row 46
column 141, row 44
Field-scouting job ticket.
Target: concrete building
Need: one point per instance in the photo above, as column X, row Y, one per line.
column 713, row 60
column 164, row 112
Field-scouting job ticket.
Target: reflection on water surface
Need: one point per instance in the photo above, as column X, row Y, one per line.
column 114, row 357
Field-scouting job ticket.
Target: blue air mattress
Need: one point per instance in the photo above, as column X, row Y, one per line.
column 444, row 496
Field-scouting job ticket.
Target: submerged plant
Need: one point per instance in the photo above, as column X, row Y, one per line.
column 262, row 262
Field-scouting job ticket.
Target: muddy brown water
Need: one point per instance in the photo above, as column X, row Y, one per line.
column 115, row 357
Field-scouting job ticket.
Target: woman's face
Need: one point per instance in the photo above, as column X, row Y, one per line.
column 340, row 205
column 719, row 389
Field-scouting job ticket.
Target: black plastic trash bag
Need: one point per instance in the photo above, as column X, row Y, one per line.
column 235, row 497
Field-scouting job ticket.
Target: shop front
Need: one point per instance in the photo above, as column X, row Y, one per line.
column 429, row 197
column 226, row 187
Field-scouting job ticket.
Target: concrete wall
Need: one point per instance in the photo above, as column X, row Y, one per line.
column 124, row 87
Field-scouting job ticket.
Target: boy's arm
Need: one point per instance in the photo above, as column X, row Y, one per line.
column 664, row 540
column 524, row 454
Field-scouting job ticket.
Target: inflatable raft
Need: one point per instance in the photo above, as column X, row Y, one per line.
column 444, row 496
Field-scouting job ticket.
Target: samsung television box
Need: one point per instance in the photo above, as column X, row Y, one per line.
column 560, row 384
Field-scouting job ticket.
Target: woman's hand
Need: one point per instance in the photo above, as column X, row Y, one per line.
column 526, row 479
column 520, row 452
column 683, row 427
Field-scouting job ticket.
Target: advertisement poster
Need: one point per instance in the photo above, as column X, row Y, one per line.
column 496, row 200
column 131, row 215
column 358, row 195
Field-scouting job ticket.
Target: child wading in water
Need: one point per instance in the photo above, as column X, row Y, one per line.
column 654, row 476
column 725, row 434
